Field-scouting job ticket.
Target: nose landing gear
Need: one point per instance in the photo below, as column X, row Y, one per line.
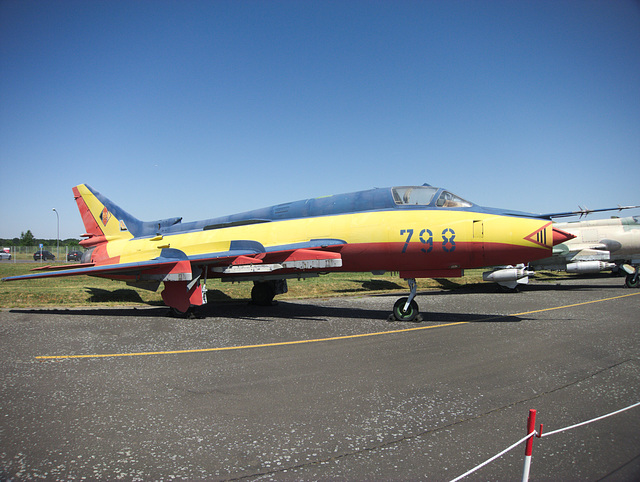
column 406, row 309
column 633, row 280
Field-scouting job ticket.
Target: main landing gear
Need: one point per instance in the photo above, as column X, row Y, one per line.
column 263, row 292
column 406, row 309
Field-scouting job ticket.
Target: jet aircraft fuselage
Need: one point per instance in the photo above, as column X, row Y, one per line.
column 418, row 231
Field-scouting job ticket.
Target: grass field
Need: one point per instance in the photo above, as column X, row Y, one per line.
column 86, row 290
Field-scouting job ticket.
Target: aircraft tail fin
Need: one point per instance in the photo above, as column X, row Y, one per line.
column 103, row 220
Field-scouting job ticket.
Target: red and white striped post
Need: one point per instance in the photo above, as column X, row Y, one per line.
column 531, row 427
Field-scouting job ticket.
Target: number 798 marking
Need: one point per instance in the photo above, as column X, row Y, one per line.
column 426, row 238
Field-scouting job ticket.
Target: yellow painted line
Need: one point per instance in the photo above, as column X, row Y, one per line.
column 317, row 340
column 576, row 304
column 264, row 345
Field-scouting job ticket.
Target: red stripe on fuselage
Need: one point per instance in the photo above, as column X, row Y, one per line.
column 389, row 256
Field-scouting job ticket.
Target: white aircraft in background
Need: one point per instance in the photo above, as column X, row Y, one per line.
column 599, row 245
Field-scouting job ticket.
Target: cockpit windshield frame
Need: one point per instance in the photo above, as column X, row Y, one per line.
column 413, row 195
column 449, row 200
column 426, row 196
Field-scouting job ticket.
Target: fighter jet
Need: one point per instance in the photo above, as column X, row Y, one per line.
column 598, row 245
column 418, row 231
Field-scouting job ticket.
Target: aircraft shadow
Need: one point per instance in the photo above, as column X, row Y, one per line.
column 569, row 287
column 314, row 312
column 494, row 288
column 373, row 285
column 119, row 296
column 119, row 311
column 242, row 310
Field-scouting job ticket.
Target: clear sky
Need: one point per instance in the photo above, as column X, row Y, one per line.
column 205, row 108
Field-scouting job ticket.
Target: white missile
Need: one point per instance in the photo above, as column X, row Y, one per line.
column 589, row 266
column 508, row 276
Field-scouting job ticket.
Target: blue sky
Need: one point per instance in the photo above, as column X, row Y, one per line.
column 206, row 108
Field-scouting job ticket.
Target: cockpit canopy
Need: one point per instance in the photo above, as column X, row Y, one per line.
column 423, row 196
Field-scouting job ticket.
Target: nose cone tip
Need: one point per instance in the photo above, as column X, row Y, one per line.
column 560, row 236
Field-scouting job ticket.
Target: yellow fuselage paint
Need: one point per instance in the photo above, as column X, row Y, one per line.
column 392, row 231
column 395, row 239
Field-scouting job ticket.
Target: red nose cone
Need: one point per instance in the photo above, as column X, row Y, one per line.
column 560, row 236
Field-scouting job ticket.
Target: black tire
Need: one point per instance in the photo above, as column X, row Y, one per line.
column 632, row 280
column 262, row 294
column 410, row 315
column 176, row 313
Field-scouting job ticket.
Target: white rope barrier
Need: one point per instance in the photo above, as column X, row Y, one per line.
column 589, row 421
column 478, row 467
column 541, row 435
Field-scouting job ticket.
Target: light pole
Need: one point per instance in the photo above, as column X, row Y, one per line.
column 57, row 235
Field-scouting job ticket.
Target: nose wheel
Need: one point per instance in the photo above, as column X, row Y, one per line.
column 633, row 280
column 406, row 309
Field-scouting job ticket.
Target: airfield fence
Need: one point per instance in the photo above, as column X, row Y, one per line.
column 25, row 253
column 531, row 433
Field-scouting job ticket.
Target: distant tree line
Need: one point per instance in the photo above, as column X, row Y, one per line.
column 28, row 239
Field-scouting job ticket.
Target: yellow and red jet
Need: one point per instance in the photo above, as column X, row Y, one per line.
column 418, row 231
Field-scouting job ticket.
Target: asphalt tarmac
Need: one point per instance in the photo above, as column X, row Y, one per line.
column 327, row 389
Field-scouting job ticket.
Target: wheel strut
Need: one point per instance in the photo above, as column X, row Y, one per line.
column 413, row 289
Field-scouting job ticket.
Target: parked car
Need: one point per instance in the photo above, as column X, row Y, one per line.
column 44, row 254
column 74, row 256
column 5, row 255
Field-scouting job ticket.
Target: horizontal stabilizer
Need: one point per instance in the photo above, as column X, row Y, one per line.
column 62, row 267
column 109, row 269
column 172, row 263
